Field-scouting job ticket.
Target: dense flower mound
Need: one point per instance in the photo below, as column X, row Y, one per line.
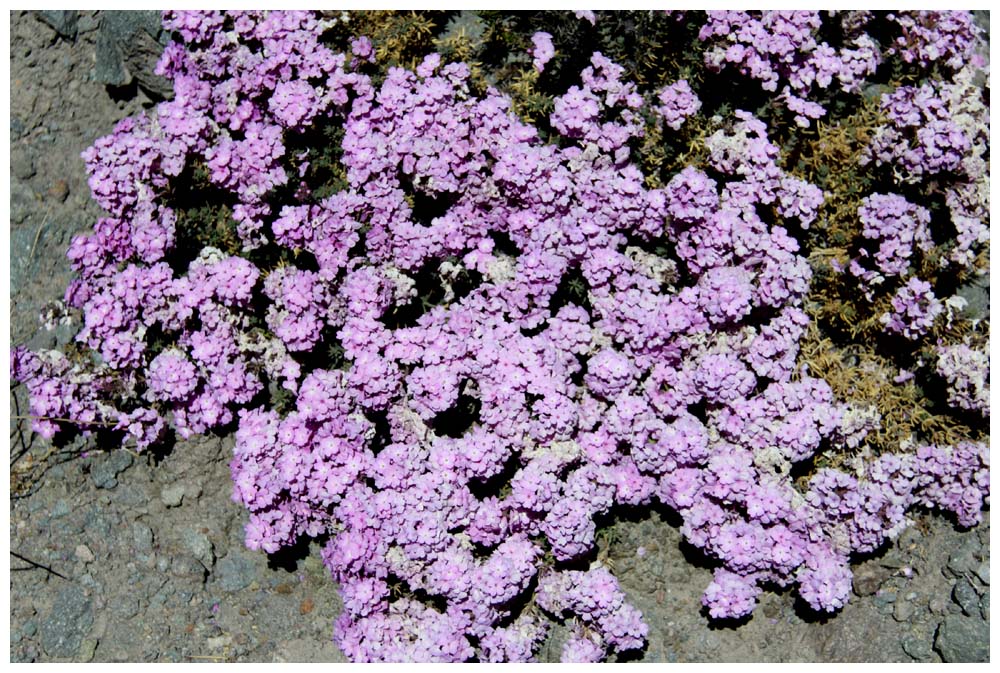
column 460, row 454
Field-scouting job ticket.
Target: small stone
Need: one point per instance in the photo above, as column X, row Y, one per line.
column 59, row 190
column 234, row 572
column 21, row 163
column 983, row 572
column 218, row 642
column 87, row 649
column 30, row 628
column 868, row 578
column 966, row 597
column 83, row 553
column 984, row 606
column 963, row 639
column 172, row 495
column 903, row 610
column 884, row 598
column 938, row 605
column 143, row 536
column 917, row 647
column 199, row 545
column 87, row 24
column 306, row 606
column 963, row 560
column 63, row 21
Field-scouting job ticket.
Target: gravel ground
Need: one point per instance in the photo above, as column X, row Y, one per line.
column 117, row 557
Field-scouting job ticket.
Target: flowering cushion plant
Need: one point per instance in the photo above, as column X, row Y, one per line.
column 527, row 334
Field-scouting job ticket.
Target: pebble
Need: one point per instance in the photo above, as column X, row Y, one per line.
column 903, row 610
column 884, row 597
column 59, row 190
column 188, row 570
column 21, row 163
column 917, row 647
column 983, row 572
column 30, row 628
column 88, row 648
column 868, row 578
column 219, row 642
column 83, row 553
column 143, row 536
column 966, row 597
column 938, row 605
column 963, row 560
column 172, row 495
column 234, row 572
column 199, row 545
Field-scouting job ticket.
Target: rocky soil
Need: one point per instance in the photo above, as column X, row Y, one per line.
column 119, row 557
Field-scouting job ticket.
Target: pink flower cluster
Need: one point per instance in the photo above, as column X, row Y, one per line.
column 542, row 50
column 967, row 373
column 936, row 36
column 458, row 458
column 780, row 48
column 900, row 229
column 914, row 309
column 677, row 102
column 940, row 130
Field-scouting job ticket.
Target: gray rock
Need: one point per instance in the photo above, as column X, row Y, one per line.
column 106, row 468
column 884, row 598
column 977, row 295
column 29, row 629
column 984, row 606
column 189, row 571
column 17, row 128
column 983, row 572
column 22, row 166
column 917, row 647
column 143, row 536
column 87, row 23
column 868, row 578
column 903, row 610
column 23, row 260
column 234, row 572
column 963, row 639
column 966, row 597
column 129, row 44
column 88, row 648
column 63, row 21
column 71, row 617
column 963, row 560
column 83, row 553
column 172, row 495
column 199, row 545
